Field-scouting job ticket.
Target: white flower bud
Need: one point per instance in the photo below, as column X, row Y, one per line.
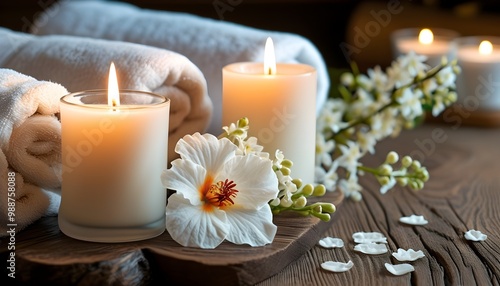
column 416, row 164
column 406, row 161
column 300, row 202
column 286, row 202
column 385, row 170
column 392, row 158
column 356, row 196
column 275, row 202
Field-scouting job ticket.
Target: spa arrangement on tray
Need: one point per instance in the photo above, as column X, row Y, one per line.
column 99, row 115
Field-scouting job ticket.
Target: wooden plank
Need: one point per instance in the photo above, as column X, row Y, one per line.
column 45, row 255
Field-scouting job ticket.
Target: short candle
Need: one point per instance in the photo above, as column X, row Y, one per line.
column 434, row 44
column 113, row 154
column 280, row 102
column 477, row 84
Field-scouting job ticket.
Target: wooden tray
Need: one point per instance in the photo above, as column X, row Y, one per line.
column 45, row 255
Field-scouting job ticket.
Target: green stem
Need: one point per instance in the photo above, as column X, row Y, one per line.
column 363, row 119
column 369, row 170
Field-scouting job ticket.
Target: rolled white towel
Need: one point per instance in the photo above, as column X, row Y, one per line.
column 29, row 128
column 35, row 151
column 82, row 63
column 210, row 44
column 22, row 203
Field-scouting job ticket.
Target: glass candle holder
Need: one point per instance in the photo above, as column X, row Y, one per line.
column 112, row 158
column 442, row 44
column 478, row 85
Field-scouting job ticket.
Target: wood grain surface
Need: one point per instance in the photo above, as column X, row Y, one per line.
column 463, row 193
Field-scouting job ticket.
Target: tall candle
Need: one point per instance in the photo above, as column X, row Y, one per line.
column 478, row 85
column 280, row 102
column 113, row 154
column 434, row 44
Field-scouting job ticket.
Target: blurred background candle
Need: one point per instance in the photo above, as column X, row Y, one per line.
column 114, row 149
column 280, row 102
column 433, row 43
column 478, row 85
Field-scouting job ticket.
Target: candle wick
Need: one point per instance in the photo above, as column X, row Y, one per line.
column 114, row 102
column 269, row 71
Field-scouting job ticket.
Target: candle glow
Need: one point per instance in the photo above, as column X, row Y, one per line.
column 269, row 58
column 485, row 48
column 113, row 94
column 426, row 37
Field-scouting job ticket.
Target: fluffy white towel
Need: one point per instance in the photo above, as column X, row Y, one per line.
column 83, row 63
column 210, row 44
column 35, row 151
column 24, row 203
column 29, row 129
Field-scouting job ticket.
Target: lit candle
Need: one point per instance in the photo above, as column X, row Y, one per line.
column 433, row 45
column 114, row 149
column 478, row 85
column 279, row 100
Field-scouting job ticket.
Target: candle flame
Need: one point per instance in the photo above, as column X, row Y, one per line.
column 269, row 57
column 485, row 48
column 113, row 94
column 426, row 37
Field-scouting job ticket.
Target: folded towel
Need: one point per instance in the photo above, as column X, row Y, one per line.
column 29, row 129
column 23, row 203
column 82, row 64
column 210, row 44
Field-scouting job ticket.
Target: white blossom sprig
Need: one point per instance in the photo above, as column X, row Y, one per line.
column 293, row 193
column 375, row 106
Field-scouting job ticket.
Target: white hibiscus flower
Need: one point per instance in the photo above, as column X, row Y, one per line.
column 219, row 195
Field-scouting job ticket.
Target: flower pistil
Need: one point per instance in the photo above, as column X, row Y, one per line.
column 221, row 194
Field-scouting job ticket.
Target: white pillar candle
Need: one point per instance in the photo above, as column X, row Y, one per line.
column 113, row 156
column 434, row 44
column 281, row 106
column 478, row 85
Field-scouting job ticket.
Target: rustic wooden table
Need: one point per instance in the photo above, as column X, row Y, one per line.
column 463, row 193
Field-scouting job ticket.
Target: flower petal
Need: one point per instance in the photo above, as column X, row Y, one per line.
column 255, row 180
column 368, row 237
column 253, row 227
column 190, row 226
column 475, row 235
column 331, row 242
column 371, row 248
column 186, row 178
column 413, row 220
column 399, row 269
column 206, row 150
column 408, row 255
column 335, row 266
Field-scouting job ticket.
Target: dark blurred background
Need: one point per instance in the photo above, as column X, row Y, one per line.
column 332, row 25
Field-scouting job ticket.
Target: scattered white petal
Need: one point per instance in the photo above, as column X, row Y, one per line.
column 475, row 235
column 371, row 248
column 335, row 266
column 331, row 242
column 399, row 269
column 414, row 220
column 408, row 255
column 367, row 237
